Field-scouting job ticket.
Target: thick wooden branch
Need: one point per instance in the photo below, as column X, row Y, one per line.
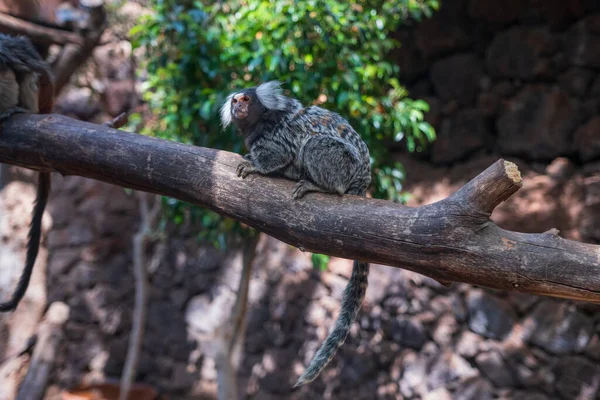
column 451, row 240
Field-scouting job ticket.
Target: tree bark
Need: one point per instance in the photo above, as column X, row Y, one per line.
column 451, row 240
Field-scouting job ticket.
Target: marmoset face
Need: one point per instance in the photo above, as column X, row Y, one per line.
column 240, row 106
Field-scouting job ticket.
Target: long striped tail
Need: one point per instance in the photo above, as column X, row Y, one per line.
column 351, row 302
column 33, row 244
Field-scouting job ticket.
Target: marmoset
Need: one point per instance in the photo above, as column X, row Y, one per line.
column 319, row 149
column 25, row 86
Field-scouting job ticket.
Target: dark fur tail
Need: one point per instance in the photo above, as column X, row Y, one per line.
column 351, row 302
column 33, row 245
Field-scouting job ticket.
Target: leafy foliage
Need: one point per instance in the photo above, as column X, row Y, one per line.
column 331, row 53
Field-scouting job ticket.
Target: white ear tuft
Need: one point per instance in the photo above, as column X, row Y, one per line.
column 226, row 111
column 270, row 95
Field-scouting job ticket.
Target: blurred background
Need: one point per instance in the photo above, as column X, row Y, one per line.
column 439, row 91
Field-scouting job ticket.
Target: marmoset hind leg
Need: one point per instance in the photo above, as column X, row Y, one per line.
column 334, row 165
column 331, row 165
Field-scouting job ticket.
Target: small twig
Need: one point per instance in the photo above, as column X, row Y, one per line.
column 238, row 313
column 38, row 34
column 231, row 334
column 148, row 219
column 117, row 122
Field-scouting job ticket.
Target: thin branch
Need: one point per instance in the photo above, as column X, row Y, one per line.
column 237, row 319
column 451, row 240
column 148, row 219
column 229, row 337
column 118, row 122
column 37, row 33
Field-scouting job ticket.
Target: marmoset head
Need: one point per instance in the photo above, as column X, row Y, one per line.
column 246, row 107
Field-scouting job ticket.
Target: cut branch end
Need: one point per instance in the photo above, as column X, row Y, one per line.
column 490, row 188
column 512, row 172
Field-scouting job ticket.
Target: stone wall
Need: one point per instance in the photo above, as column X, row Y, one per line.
column 518, row 78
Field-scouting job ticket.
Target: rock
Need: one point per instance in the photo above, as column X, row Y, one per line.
column 445, row 330
column 117, row 96
column 438, row 394
column 582, row 42
column 99, row 300
column 559, row 13
column 474, row 389
column 587, row 140
column 80, row 313
column 386, row 351
column 576, row 81
column 590, row 215
column 62, row 260
column 593, row 348
column 433, row 116
column 538, row 123
column 204, row 316
column 405, row 331
column 166, row 331
column 84, row 276
column 505, row 89
column 488, row 104
column 114, row 60
column 495, row 369
column 458, row 307
column 449, row 368
column 489, row 316
column 77, row 233
column 589, row 107
column 457, row 77
column 468, row 125
column 408, row 57
column 379, row 280
column 77, row 102
column 577, row 378
column 437, row 36
column 387, row 390
column 528, row 395
column 522, row 302
column 495, row 12
column 468, row 344
column 275, row 373
column 415, row 368
column 541, row 327
column 595, row 89
column 182, row 378
column 133, row 11
column 520, row 53
column 356, row 366
column 526, row 377
column 560, row 170
column 440, row 305
column 396, row 305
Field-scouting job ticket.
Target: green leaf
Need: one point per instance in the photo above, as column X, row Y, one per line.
column 320, row 261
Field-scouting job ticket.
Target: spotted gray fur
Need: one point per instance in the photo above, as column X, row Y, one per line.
column 319, row 149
